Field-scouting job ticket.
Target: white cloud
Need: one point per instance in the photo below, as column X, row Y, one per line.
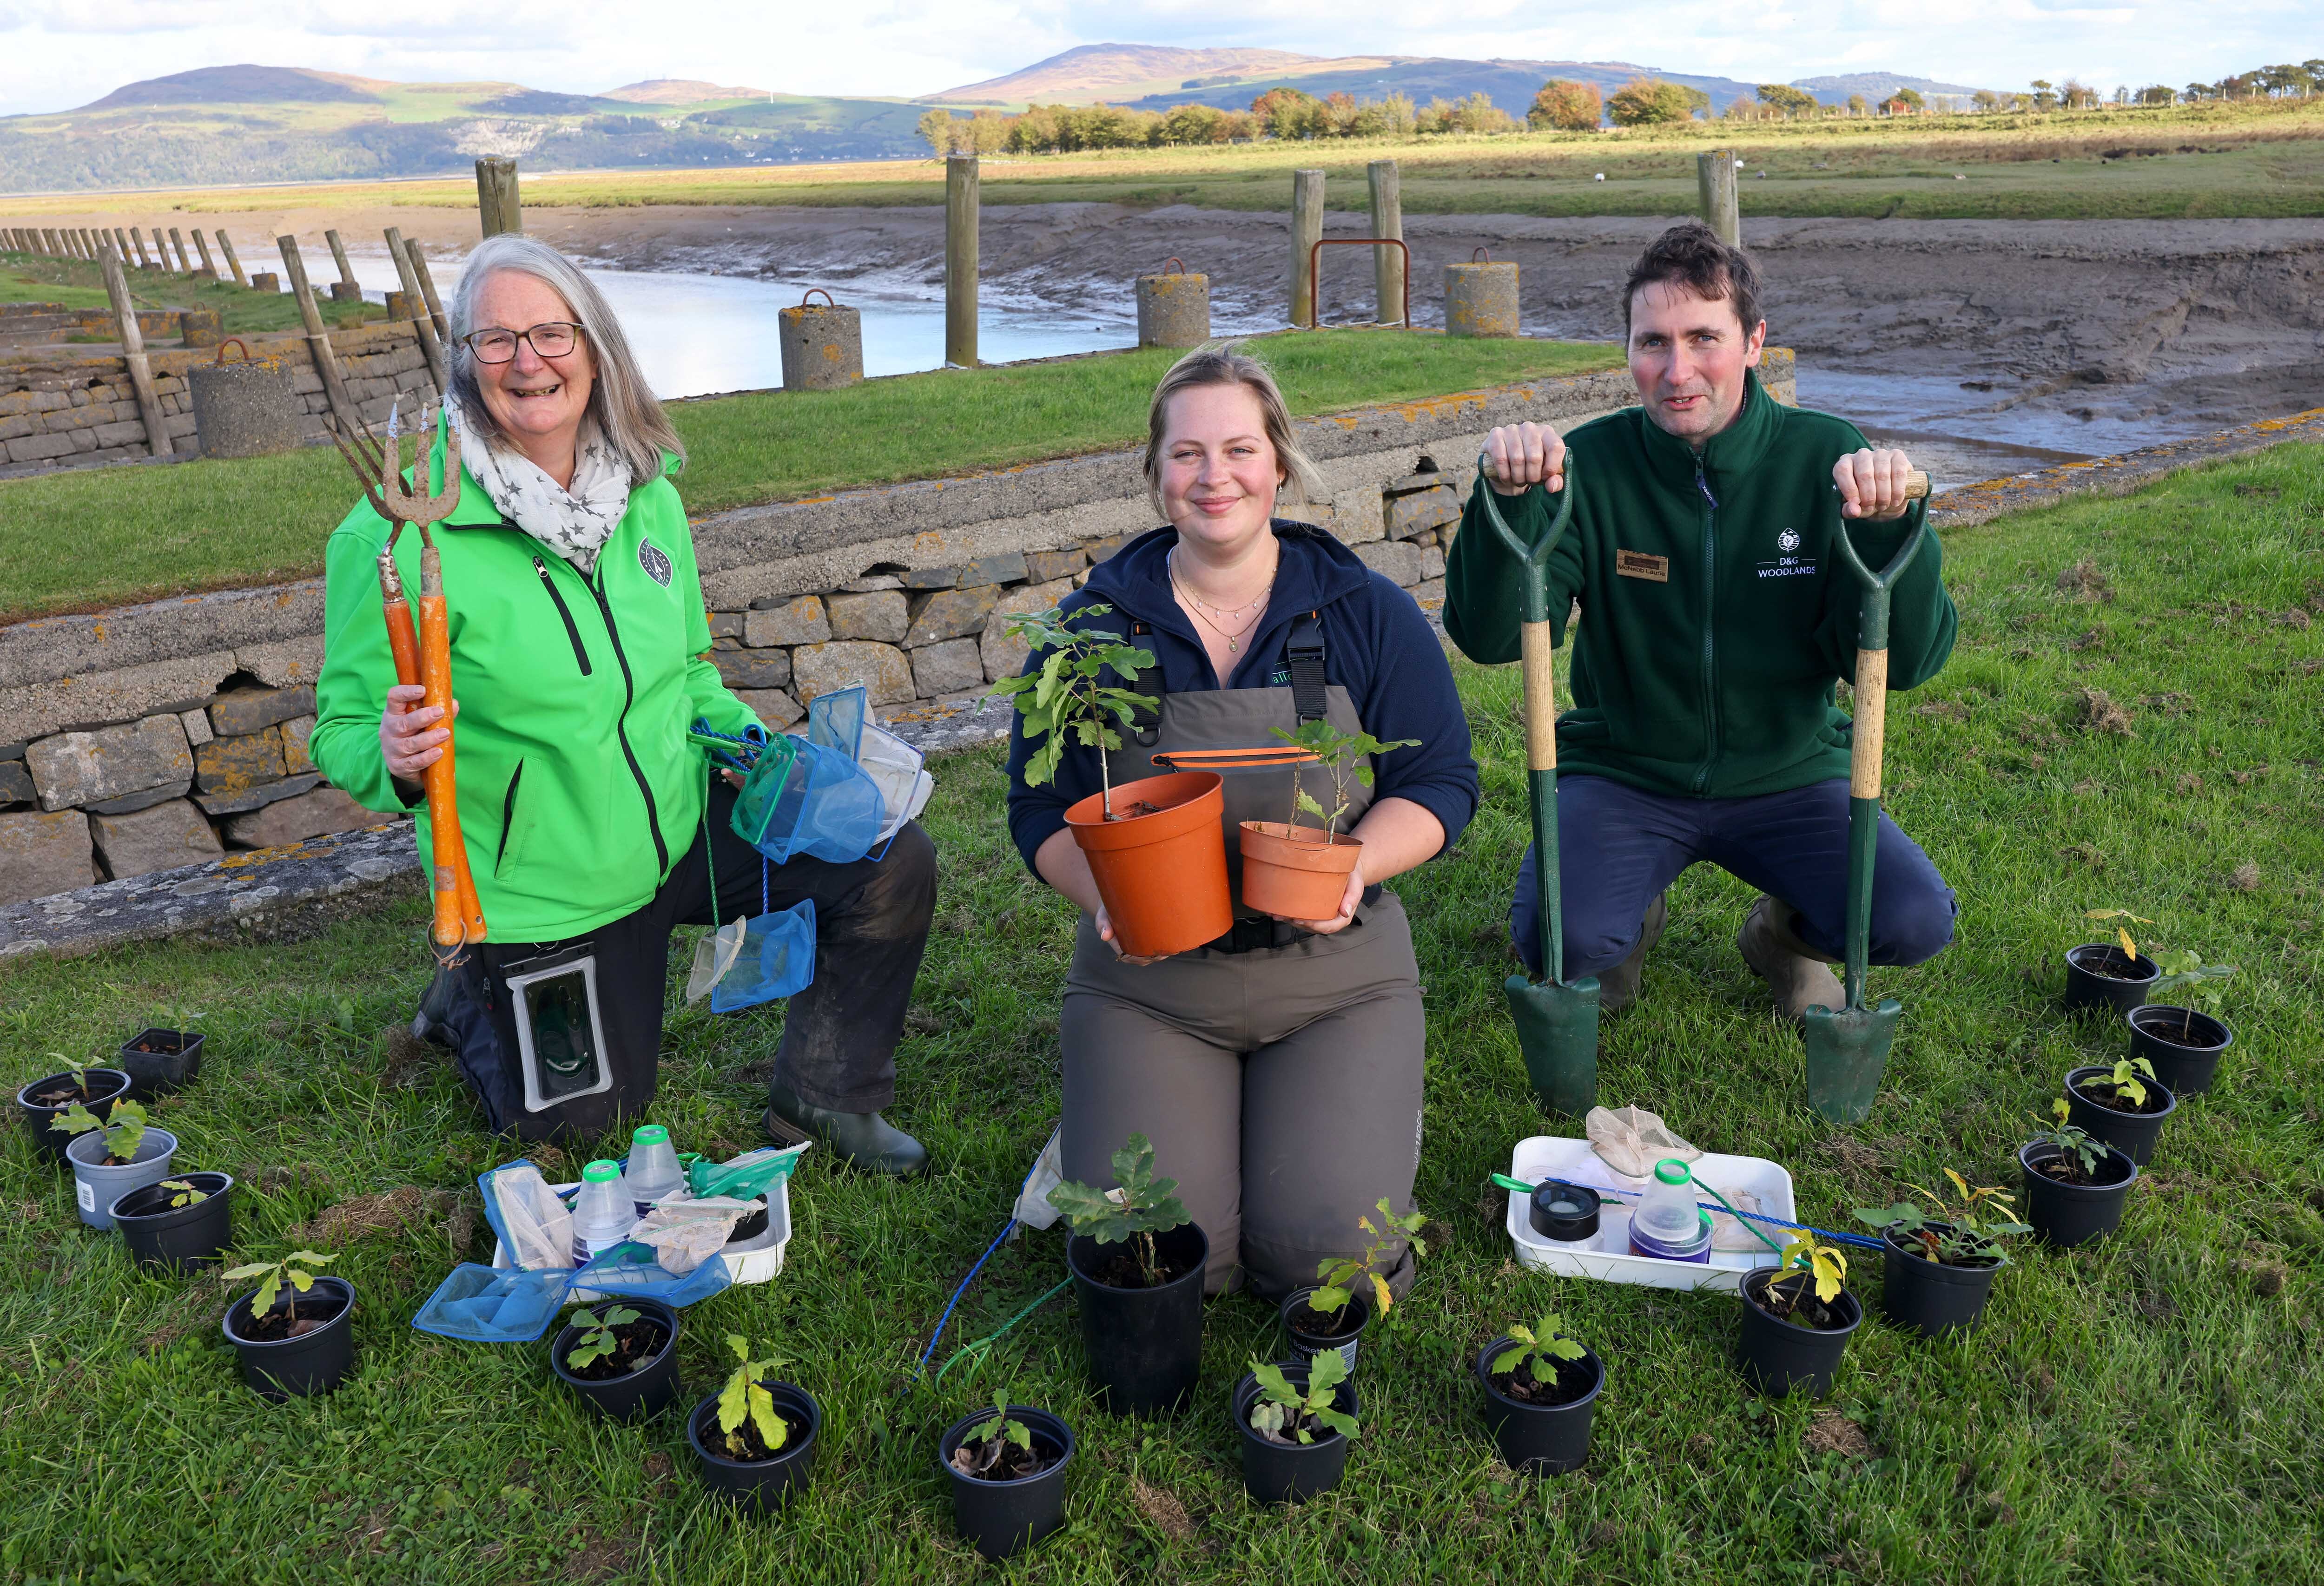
column 908, row 47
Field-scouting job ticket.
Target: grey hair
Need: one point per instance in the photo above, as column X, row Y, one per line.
column 1220, row 364
column 623, row 405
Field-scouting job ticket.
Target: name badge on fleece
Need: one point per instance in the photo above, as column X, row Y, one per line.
column 1637, row 564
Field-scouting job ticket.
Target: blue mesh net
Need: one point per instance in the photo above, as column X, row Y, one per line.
column 813, row 799
column 777, row 960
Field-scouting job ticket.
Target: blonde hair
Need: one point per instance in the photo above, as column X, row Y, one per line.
column 623, row 405
column 1224, row 365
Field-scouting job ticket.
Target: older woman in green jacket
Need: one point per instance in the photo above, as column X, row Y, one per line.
column 591, row 823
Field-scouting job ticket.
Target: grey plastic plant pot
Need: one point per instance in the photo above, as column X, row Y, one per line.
column 312, row 1363
column 634, row 1395
column 762, row 1486
column 2133, row 1134
column 1306, row 1344
column 1278, row 1472
column 181, row 1239
column 2183, row 1046
column 97, row 1186
column 1144, row 1345
column 1540, row 1440
column 1782, row 1357
column 2087, row 987
column 159, row 1061
column 104, row 1085
column 999, row 1517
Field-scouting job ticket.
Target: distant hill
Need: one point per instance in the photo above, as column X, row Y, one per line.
column 1877, row 86
column 1509, row 84
column 678, row 91
column 231, row 124
column 1116, row 73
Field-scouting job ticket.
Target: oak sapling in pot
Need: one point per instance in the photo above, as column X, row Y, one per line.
column 124, row 1129
column 621, row 1358
column 1295, row 1422
column 1286, row 1412
column 2187, row 976
column 2099, row 974
column 1939, row 1263
column 1007, row 1468
column 750, row 1425
column 2078, row 1156
column 2075, row 1185
column 1540, row 1388
column 40, row 1102
column 1286, row 871
column 1350, row 1289
column 2183, row 1044
column 1136, row 1263
column 999, row 1448
column 111, row 1159
column 1156, row 847
column 597, row 1341
column 294, row 1331
column 1797, row 1318
column 182, row 1193
column 754, row 1441
column 1344, row 755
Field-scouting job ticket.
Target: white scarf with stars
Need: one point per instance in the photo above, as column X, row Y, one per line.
column 574, row 522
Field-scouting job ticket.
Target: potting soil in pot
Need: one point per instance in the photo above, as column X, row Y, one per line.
column 1119, row 1269
column 635, row 1344
column 302, row 1317
column 996, row 1459
column 1574, row 1378
column 745, row 1443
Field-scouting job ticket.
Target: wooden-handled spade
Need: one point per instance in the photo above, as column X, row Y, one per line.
column 424, row 656
column 1848, row 1046
column 1556, row 1018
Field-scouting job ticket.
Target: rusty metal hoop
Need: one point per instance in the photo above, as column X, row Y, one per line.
column 1174, row 259
column 232, row 341
column 1480, row 254
column 828, row 300
column 1316, row 276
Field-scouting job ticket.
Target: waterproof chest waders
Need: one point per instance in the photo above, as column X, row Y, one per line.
column 1557, row 1018
column 1847, row 1048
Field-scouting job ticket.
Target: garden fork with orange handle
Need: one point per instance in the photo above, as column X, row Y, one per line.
column 423, row 656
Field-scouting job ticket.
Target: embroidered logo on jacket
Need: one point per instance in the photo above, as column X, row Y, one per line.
column 1786, row 565
column 657, row 566
column 1637, row 564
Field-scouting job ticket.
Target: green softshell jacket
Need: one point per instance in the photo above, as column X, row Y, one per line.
column 578, row 787
column 1716, row 615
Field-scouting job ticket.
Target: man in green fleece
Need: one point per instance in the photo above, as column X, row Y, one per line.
column 1715, row 620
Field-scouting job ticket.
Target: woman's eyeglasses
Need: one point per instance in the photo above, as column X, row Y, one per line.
column 552, row 340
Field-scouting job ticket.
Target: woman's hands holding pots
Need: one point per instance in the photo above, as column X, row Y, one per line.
column 1105, row 934
column 1348, row 898
column 409, row 739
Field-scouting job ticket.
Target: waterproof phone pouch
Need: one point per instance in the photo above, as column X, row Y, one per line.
column 559, row 1032
column 808, row 798
column 777, row 959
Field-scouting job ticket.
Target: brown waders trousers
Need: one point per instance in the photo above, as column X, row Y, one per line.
column 1278, row 1073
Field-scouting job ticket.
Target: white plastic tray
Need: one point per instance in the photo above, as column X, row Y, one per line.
column 755, row 1259
column 1605, row 1255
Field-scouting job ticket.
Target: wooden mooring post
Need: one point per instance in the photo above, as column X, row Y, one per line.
column 133, row 353
column 226, row 247
column 318, row 340
column 202, row 247
column 498, row 208
column 428, row 290
column 1306, row 230
column 1714, row 173
column 422, row 325
column 1387, row 220
column 960, row 202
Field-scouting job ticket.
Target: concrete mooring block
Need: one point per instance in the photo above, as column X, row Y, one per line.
column 245, row 408
column 266, row 281
column 1480, row 298
column 821, row 345
column 1174, row 309
column 201, row 328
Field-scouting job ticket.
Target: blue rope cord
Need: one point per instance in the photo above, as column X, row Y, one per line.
column 982, row 1345
column 957, row 1295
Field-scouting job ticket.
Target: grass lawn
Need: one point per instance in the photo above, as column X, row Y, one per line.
column 78, row 284
column 212, row 525
column 2140, row 1410
column 2182, row 162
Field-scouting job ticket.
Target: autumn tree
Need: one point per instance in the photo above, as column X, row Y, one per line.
column 1648, row 102
column 1567, row 106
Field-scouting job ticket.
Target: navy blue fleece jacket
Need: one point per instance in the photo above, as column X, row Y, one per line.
column 1376, row 645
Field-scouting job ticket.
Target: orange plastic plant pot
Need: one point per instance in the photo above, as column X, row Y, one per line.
column 1292, row 872
column 1161, row 862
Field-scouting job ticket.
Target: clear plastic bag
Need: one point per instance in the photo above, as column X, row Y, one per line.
column 747, row 1177
column 777, row 959
column 897, row 770
column 713, row 955
column 684, row 1233
column 535, row 1227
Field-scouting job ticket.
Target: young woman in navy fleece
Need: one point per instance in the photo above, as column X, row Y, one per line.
column 1278, row 1069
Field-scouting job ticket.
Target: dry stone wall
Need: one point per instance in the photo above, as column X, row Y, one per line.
column 146, row 738
column 63, row 411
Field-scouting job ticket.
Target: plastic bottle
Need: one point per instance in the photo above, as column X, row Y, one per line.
column 602, row 1217
column 1666, row 1224
column 653, row 1171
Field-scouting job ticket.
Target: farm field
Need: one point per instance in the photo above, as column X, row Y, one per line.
column 2141, row 1409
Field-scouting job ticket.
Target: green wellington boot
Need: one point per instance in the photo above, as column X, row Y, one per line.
column 863, row 1140
column 1800, row 977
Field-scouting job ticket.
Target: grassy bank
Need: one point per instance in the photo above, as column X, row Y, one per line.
column 2140, row 1410
column 2204, row 162
column 213, row 525
column 78, row 284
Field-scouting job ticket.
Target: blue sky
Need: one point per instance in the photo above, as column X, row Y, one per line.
column 55, row 54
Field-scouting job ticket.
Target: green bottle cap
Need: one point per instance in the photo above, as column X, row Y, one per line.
column 601, row 1173
column 650, row 1134
column 1671, row 1170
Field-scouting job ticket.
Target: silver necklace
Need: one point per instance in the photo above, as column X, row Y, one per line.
column 1217, row 623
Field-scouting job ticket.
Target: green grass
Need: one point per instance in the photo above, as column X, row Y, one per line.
column 208, row 525
column 241, row 311
column 2141, row 1410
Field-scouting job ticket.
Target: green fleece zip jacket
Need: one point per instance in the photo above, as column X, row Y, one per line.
column 578, row 787
column 1715, row 614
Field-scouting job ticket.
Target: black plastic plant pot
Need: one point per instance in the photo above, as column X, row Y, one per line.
column 2102, row 975
column 633, row 1395
column 2068, row 1214
column 2183, row 1046
column 180, row 1238
column 159, row 1061
column 759, row 1485
column 1144, row 1345
column 1931, row 1298
column 1782, row 1357
column 104, row 1085
column 2133, row 1134
column 1307, row 1344
column 313, row 1362
column 1289, row 1473
column 997, row 1517
column 1540, row 1440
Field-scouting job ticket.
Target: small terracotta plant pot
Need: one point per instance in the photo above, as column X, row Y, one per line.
column 1161, row 862
column 1293, row 871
